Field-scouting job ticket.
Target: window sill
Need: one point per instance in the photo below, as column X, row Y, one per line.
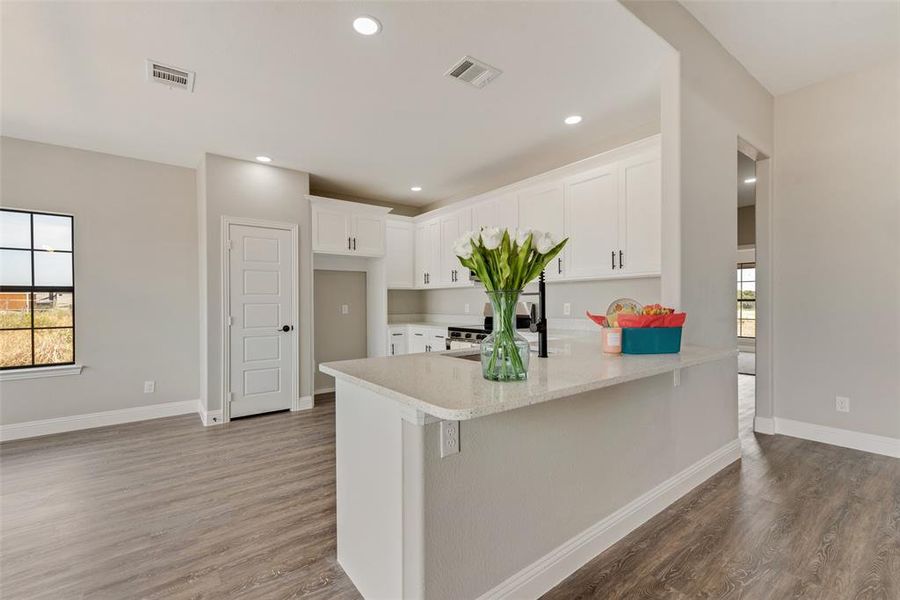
column 40, row 372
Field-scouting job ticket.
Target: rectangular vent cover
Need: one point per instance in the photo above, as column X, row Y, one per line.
column 473, row 71
column 169, row 76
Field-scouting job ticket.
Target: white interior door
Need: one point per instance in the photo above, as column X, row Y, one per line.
column 261, row 291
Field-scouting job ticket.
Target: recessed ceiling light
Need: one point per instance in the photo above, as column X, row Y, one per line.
column 366, row 25
column 750, row 180
column 415, row 188
column 263, row 159
column 573, row 120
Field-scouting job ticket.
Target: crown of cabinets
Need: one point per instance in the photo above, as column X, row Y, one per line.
column 347, row 228
column 608, row 206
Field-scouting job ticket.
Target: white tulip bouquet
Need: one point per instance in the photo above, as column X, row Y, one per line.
column 505, row 262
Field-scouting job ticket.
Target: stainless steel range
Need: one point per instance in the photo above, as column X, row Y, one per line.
column 465, row 337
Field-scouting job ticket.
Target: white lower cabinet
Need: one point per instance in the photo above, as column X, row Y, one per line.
column 411, row 339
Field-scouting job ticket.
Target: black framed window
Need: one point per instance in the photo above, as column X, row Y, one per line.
column 746, row 300
column 37, row 289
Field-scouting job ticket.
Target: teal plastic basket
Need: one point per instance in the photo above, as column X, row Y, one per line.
column 651, row 340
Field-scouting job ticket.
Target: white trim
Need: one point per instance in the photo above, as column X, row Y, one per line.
column 867, row 442
column 208, row 417
column 17, row 431
column 327, row 390
column 225, row 355
column 746, row 254
column 39, row 372
column 349, row 205
column 302, row 403
column 543, row 574
column 764, row 425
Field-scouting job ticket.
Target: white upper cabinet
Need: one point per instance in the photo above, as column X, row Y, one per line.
column 428, row 251
column 542, row 208
column 500, row 211
column 640, row 238
column 331, row 231
column 400, row 253
column 453, row 225
column 351, row 228
column 592, row 223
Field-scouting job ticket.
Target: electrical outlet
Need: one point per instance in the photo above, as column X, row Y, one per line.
column 149, row 387
column 345, row 309
column 467, row 308
column 567, row 308
column 449, row 438
column 841, row 404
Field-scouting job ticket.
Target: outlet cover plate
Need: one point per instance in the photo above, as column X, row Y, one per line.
column 842, row 404
column 449, row 438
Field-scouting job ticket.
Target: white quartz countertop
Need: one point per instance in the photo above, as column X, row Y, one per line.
column 446, row 387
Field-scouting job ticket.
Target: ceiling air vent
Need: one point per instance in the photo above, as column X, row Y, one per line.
column 474, row 72
column 171, row 77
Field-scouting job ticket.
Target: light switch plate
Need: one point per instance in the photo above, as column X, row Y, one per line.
column 345, row 309
column 449, row 438
column 567, row 308
column 842, row 404
column 149, row 387
column 467, row 308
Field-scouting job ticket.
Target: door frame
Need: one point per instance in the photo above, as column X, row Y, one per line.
column 225, row 356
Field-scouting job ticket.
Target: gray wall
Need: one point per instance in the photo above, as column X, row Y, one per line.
column 837, row 239
column 239, row 188
column 136, row 278
column 406, row 302
column 746, row 230
column 338, row 336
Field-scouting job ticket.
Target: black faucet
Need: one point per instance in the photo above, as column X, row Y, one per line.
column 539, row 323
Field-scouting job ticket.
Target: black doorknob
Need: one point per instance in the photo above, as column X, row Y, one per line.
column 287, row 328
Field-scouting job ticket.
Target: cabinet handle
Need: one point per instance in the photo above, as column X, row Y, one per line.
column 613, row 256
column 620, row 260
column 392, row 349
column 349, row 247
column 559, row 266
column 354, row 243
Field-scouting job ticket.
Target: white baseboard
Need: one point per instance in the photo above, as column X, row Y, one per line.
column 867, row 442
column 208, row 417
column 17, row 431
column 764, row 425
column 542, row 575
column 302, row 403
column 323, row 391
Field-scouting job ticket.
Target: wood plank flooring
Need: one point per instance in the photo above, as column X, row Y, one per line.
column 170, row 509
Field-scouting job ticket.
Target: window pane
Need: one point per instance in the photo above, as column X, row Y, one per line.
column 52, row 309
column 739, row 327
column 748, row 328
column 15, row 310
column 52, row 232
column 53, row 268
column 15, row 229
column 15, row 267
column 53, row 346
column 747, row 274
column 15, row 348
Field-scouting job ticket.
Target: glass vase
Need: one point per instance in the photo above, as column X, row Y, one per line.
column 504, row 353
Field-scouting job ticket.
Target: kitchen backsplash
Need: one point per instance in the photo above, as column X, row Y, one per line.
column 580, row 295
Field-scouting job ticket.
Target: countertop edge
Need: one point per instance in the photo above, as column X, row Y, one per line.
column 468, row 414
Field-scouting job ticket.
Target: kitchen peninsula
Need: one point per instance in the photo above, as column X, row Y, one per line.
column 538, row 477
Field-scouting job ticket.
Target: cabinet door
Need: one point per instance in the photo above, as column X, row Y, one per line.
column 422, row 254
column 399, row 254
column 368, row 235
column 331, row 231
column 592, row 218
column 502, row 212
column 396, row 342
column 417, row 341
column 542, row 208
column 450, row 272
column 640, row 237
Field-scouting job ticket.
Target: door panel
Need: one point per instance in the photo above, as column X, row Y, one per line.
column 260, row 354
column 542, row 209
column 331, row 231
column 642, row 233
column 368, row 234
column 592, row 215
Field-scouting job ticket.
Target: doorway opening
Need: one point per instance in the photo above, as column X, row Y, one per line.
column 745, row 268
column 341, row 328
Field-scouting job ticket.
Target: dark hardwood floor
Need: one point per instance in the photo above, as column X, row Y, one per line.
column 170, row 509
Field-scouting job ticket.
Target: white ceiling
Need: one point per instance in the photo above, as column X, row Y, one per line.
column 367, row 116
column 787, row 45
